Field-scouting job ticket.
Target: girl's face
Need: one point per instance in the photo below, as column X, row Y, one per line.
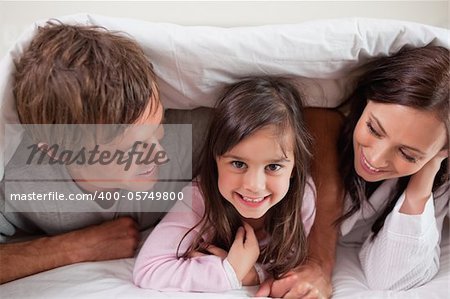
column 393, row 141
column 254, row 175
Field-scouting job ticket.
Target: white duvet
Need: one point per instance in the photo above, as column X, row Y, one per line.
column 113, row 279
column 192, row 64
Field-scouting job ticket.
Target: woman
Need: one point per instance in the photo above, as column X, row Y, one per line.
column 394, row 161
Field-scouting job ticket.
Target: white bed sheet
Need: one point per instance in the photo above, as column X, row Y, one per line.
column 113, row 279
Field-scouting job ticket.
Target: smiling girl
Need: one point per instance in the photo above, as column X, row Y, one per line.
column 253, row 204
column 394, row 160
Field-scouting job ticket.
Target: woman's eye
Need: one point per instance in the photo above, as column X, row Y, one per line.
column 408, row 157
column 273, row 167
column 238, row 164
column 372, row 129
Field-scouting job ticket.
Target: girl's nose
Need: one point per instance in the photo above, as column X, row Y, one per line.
column 254, row 181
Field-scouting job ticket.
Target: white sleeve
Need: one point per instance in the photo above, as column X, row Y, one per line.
column 231, row 275
column 406, row 251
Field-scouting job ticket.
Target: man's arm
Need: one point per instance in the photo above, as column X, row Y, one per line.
column 313, row 278
column 109, row 240
column 325, row 126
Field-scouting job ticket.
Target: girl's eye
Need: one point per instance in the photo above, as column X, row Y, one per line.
column 273, row 167
column 408, row 157
column 372, row 129
column 238, row 164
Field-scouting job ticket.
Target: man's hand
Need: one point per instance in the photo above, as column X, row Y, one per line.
column 307, row 281
column 110, row 240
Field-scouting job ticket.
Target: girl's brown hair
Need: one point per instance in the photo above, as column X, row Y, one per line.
column 244, row 108
column 417, row 78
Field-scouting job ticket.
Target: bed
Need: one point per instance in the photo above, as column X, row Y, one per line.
column 193, row 64
column 112, row 279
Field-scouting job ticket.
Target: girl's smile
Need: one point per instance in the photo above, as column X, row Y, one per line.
column 251, row 200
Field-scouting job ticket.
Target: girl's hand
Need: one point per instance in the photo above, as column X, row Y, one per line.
column 250, row 279
column 196, row 254
column 421, row 184
column 217, row 251
column 244, row 252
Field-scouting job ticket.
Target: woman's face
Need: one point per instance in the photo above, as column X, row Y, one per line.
column 393, row 141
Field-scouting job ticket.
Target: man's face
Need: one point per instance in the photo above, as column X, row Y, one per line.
column 130, row 161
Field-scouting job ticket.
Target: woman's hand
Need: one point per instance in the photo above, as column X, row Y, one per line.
column 244, row 252
column 421, row 184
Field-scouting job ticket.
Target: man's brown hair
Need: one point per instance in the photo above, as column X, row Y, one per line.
column 83, row 75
